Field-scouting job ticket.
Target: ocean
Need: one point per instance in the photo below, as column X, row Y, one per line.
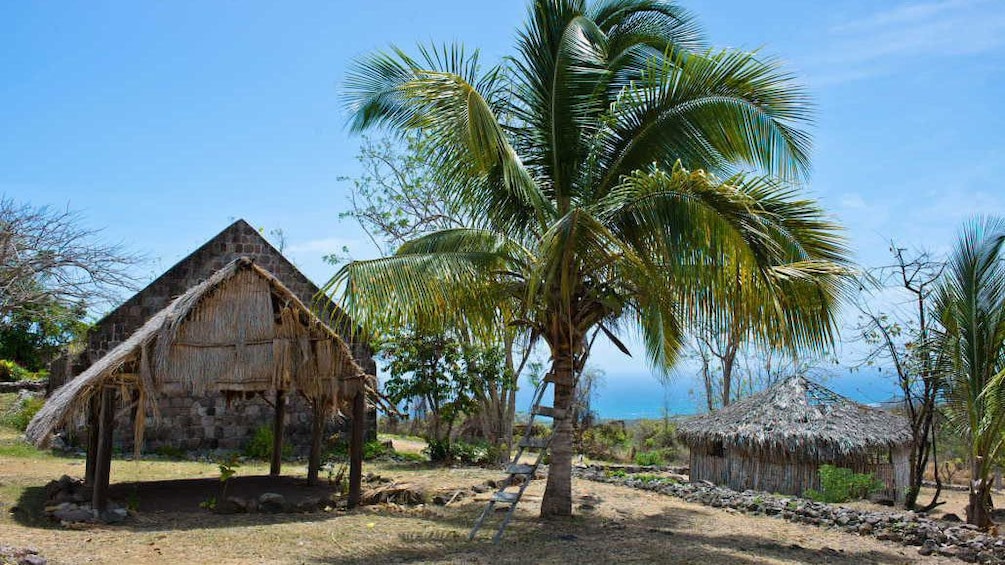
column 630, row 396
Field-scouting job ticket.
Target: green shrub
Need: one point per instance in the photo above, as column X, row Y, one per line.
column 469, row 453
column 656, row 436
column 22, row 411
column 171, row 452
column 12, row 372
column 838, row 484
column 607, row 441
column 650, row 458
column 260, row 445
column 371, row 450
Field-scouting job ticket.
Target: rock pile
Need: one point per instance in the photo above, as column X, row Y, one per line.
column 67, row 501
column 951, row 539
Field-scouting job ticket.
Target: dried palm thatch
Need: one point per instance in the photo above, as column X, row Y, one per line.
column 797, row 419
column 241, row 330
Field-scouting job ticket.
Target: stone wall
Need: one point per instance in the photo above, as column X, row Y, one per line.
column 214, row 422
column 207, row 423
column 942, row 537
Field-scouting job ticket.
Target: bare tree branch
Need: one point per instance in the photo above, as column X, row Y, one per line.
column 47, row 257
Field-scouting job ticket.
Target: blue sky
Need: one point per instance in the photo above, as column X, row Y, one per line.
column 162, row 121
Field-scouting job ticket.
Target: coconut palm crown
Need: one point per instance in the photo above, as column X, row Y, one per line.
column 600, row 170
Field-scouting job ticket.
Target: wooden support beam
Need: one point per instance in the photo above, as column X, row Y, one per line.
column 103, row 463
column 356, row 448
column 93, row 418
column 278, row 425
column 320, row 415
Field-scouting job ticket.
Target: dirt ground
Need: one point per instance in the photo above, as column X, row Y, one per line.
column 612, row 525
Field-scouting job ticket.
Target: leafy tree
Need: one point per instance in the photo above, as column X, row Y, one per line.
column 31, row 337
column 397, row 198
column 599, row 165
column 442, row 377
column 970, row 302
column 902, row 336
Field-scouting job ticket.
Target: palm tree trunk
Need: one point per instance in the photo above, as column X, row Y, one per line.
column 557, row 500
column 979, row 505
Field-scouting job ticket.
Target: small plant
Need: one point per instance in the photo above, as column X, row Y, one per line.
column 133, row 500
column 838, row 484
column 228, row 468
column 615, row 474
column 648, row 477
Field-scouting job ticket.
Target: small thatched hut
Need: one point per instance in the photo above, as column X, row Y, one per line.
column 776, row 440
column 240, row 332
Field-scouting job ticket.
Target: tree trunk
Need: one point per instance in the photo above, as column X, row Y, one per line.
column 103, row 459
column 979, row 504
column 557, row 500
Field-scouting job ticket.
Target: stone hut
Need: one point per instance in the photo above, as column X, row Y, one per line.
column 240, row 332
column 776, row 441
column 213, row 420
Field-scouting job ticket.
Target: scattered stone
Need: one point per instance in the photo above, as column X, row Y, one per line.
column 21, row 555
column 950, row 517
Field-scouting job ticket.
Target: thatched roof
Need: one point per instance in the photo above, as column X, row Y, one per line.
column 241, row 330
column 800, row 418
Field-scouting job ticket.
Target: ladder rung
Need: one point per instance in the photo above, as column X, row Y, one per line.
column 508, row 497
column 520, row 469
column 534, row 442
column 549, row 412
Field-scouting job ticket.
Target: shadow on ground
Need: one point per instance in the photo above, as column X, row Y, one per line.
column 180, row 503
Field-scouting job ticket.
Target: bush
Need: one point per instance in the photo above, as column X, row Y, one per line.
column 607, row 441
column 469, row 453
column 12, row 372
column 838, row 484
column 260, row 445
column 371, row 450
column 650, row 458
column 22, row 411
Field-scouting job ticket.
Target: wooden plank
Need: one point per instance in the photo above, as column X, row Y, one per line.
column 103, row 464
column 356, row 448
column 278, row 425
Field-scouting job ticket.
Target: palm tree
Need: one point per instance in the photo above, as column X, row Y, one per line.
column 970, row 304
column 598, row 170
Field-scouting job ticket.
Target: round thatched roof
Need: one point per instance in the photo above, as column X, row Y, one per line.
column 798, row 417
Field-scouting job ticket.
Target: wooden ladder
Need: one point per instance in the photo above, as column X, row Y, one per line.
column 517, row 470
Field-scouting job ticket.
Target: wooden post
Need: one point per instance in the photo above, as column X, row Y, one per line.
column 317, row 430
column 93, row 417
column 277, row 433
column 356, row 448
column 103, row 463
